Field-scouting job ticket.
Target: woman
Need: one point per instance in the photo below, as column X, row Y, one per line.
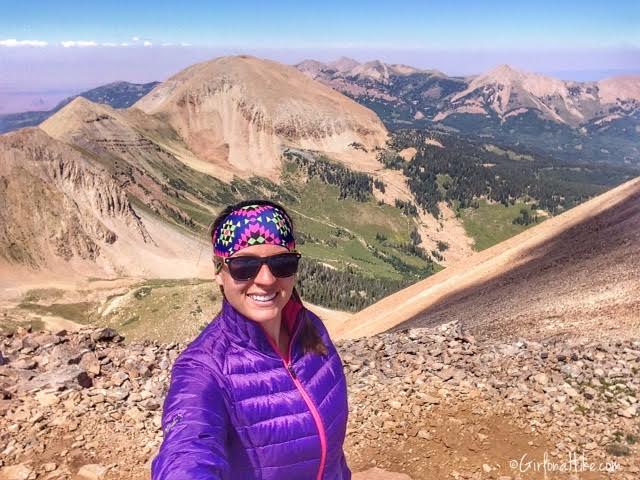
column 261, row 393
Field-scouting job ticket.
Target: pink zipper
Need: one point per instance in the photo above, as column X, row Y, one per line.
column 312, row 408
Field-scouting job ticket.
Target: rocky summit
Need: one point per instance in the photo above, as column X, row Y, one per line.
column 424, row 403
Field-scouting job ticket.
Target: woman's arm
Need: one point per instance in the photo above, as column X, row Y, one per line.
column 195, row 424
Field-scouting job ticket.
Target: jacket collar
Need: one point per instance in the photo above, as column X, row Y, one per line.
column 251, row 334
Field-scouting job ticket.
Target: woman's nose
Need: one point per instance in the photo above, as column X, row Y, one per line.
column 264, row 275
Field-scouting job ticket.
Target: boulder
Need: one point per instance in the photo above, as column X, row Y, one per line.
column 376, row 473
column 16, row 472
column 92, row 471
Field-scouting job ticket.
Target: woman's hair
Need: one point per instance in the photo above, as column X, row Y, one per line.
column 309, row 337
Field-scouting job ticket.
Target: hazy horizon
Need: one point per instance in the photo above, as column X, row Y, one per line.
column 21, row 90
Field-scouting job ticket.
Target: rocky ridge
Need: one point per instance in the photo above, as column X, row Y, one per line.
column 433, row 403
column 37, row 171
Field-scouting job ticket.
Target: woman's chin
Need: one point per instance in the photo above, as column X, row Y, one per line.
column 262, row 311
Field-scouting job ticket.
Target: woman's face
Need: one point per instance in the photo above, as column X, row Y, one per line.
column 241, row 294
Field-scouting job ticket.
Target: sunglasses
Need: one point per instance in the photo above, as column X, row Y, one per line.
column 247, row 267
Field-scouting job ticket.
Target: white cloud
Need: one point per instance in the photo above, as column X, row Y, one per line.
column 78, row 43
column 135, row 39
column 12, row 42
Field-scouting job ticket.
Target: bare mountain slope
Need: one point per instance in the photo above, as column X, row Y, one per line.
column 576, row 273
column 147, row 157
column 619, row 89
column 243, row 110
column 129, row 134
column 64, row 214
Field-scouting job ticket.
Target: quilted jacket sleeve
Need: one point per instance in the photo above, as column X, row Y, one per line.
column 195, row 424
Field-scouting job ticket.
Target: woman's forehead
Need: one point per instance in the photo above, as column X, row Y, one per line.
column 261, row 250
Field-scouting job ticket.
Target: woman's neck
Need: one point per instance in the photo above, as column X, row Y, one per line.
column 272, row 327
column 278, row 334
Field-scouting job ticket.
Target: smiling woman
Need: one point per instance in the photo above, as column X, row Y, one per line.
column 261, row 392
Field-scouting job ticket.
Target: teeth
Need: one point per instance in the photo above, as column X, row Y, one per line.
column 263, row 298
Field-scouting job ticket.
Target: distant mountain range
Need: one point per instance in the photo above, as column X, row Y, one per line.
column 116, row 95
column 595, row 121
column 573, row 121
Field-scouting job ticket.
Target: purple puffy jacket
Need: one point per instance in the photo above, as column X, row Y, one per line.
column 235, row 411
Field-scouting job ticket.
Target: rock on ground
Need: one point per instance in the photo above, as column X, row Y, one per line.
column 431, row 403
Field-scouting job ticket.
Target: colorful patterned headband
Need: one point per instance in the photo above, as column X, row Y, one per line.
column 253, row 225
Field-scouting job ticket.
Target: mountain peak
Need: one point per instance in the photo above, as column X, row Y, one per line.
column 505, row 89
column 505, row 67
column 78, row 113
column 343, row 64
column 375, row 70
column 504, row 74
column 241, row 110
column 402, row 69
column 309, row 62
column 310, row 67
column 80, row 102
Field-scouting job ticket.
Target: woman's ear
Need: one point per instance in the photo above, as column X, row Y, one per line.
column 217, row 264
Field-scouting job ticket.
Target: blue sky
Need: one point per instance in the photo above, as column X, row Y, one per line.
column 63, row 46
column 450, row 24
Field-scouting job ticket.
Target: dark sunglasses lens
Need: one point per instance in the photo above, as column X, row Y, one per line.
column 283, row 265
column 244, row 268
